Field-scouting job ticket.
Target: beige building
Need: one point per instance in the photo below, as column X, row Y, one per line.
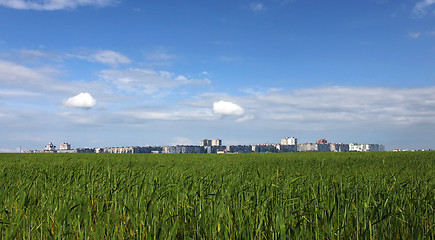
column 289, row 141
column 216, row 142
column 339, row 147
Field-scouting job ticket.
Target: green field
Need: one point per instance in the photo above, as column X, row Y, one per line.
column 210, row 196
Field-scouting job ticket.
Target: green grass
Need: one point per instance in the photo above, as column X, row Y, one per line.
column 210, row 196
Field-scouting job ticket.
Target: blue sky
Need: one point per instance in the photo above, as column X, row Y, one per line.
column 101, row 73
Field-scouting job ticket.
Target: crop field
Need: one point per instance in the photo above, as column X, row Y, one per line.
column 215, row 196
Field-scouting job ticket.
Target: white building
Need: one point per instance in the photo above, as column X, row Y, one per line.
column 355, row 147
column 65, row 146
column 50, row 147
column 289, row 141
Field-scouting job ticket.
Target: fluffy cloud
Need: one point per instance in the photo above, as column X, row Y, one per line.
column 54, row 4
column 110, row 57
column 81, row 100
column 422, row 6
column 227, row 108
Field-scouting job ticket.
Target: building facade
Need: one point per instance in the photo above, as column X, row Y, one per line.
column 266, row 148
column 287, row 148
column 85, row 150
column 204, row 143
column 207, row 142
column 314, row 147
column 134, row 149
column 356, row 147
column 239, row 149
column 216, row 142
column 289, row 141
column 182, row 149
column 339, row 147
column 50, row 148
column 65, row 146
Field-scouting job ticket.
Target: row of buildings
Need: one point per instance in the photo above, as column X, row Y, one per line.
column 322, row 145
column 288, row 144
column 64, row 148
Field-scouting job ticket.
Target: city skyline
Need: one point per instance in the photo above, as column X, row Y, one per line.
column 114, row 72
column 287, row 144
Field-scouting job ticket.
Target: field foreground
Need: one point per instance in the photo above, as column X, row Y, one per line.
column 209, row 196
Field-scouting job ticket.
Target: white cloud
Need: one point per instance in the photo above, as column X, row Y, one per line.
column 106, row 56
column 40, row 80
column 81, row 100
column 110, row 57
column 38, row 53
column 147, row 81
column 414, row 34
column 421, row 7
column 12, row 73
column 333, row 107
column 354, row 105
column 53, row 4
column 227, row 108
column 181, row 79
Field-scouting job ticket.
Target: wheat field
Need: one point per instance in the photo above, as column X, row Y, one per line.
column 209, row 196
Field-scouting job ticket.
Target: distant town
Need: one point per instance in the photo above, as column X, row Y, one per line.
column 288, row 144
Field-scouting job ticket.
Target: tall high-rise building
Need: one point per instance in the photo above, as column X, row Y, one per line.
column 50, row 147
column 289, row 141
column 216, row 142
column 65, row 146
column 205, row 143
